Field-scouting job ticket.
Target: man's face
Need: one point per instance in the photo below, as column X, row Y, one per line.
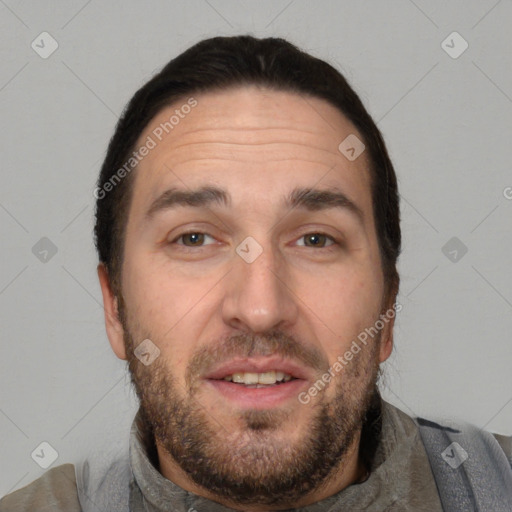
column 290, row 298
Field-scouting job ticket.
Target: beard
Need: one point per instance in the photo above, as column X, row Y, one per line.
column 255, row 465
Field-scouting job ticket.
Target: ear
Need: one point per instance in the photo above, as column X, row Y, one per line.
column 388, row 316
column 113, row 325
column 386, row 340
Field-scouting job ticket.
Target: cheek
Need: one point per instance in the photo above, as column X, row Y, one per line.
column 345, row 307
column 152, row 291
column 164, row 306
column 344, row 295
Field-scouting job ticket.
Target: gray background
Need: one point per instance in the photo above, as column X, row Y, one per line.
column 447, row 123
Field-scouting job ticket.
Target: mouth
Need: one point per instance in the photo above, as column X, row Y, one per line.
column 259, row 380
column 258, row 383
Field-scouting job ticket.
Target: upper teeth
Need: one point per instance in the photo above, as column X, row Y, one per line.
column 259, row 378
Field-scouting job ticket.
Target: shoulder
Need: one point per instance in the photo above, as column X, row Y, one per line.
column 506, row 445
column 54, row 491
column 406, row 424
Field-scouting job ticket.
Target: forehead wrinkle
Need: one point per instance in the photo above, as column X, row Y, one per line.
column 308, row 137
column 261, row 122
column 217, row 140
column 237, row 129
column 269, row 134
column 289, row 159
column 246, row 143
column 276, row 151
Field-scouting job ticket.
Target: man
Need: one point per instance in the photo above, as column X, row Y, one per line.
column 248, row 231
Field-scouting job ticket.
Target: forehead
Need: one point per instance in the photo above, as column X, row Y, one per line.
column 261, row 139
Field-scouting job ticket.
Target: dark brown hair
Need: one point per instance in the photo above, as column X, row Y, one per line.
column 226, row 62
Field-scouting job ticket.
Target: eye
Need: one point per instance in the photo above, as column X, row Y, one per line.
column 317, row 240
column 199, row 239
column 192, row 239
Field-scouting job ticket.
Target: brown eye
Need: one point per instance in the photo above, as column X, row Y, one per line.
column 192, row 239
column 317, row 240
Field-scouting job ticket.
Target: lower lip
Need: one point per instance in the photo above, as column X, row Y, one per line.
column 258, row 398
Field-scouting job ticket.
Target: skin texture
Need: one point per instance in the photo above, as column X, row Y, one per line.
column 201, row 304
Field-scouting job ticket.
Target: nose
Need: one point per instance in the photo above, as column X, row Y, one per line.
column 259, row 296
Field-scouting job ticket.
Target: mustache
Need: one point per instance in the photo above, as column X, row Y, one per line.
column 247, row 345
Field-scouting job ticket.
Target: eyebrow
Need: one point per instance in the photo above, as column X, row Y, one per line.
column 311, row 199
column 314, row 199
column 202, row 197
